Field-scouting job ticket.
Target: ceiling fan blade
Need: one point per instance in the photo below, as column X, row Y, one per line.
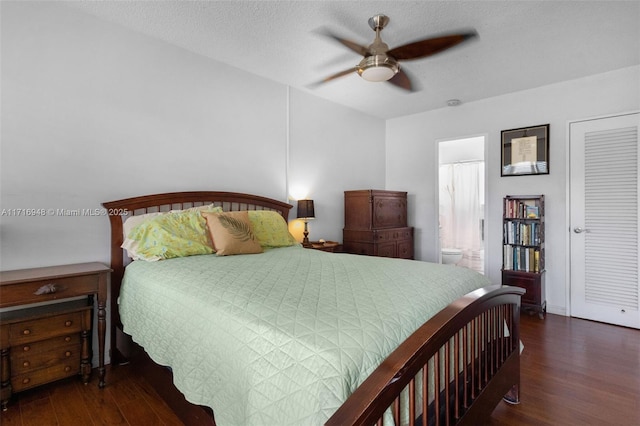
column 333, row 77
column 361, row 50
column 340, row 74
column 402, row 80
column 430, row 46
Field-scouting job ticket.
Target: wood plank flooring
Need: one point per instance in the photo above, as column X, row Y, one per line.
column 127, row 400
column 574, row 372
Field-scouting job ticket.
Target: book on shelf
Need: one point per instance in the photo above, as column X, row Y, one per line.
column 522, row 259
column 532, row 212
column 521, row 209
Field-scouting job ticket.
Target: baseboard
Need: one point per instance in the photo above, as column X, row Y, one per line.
column 557, row 310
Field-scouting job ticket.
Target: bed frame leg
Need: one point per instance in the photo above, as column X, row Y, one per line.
column 513, row 396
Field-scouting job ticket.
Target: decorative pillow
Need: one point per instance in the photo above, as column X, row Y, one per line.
column 132, row 246
column 174, row 234
column 270, row 229
column 134, row 221
column 232, row 233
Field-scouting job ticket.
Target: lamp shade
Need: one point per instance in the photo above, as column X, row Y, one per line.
column 305, row 209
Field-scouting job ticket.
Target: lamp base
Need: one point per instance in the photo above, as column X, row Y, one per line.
column 305, row 240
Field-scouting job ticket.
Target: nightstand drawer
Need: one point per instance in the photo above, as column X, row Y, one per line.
column 30, row 349
column 68, row 368
column 43, row 328
column 46, row 354
column 50, row 289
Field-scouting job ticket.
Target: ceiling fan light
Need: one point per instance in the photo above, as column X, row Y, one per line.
column 377, row 68
column 379, row 73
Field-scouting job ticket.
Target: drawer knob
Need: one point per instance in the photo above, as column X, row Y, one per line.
column 67, row 339
column 26, row 380
column 67, row 354
column 26, row 332
column 67, row 369
column 26, row 348
column 68, row 323
column 26, row 364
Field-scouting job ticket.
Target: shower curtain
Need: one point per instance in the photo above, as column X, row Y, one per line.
column 462, row 211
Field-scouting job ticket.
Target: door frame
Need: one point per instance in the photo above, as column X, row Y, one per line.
column 486, row 230
column 568, row 197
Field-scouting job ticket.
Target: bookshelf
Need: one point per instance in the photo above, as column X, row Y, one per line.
column 523, row 249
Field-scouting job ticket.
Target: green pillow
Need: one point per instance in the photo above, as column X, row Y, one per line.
column 175, row 234
column 270, row 229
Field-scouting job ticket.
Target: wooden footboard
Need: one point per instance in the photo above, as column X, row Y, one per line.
column 453, row 370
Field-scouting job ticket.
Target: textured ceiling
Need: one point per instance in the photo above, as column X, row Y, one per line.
column 521, row 44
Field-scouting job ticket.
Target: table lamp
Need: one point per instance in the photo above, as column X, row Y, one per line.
column 305, row 212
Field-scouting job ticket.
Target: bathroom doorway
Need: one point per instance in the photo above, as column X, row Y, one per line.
column 461, row 183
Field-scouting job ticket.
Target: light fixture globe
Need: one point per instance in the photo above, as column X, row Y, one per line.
column 378, row 68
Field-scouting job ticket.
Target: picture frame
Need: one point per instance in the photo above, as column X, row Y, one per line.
column 525, row 151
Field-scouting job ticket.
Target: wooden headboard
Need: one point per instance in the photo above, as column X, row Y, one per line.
column 120, row 210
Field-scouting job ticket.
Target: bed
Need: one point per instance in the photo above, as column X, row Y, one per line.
column 299, row 336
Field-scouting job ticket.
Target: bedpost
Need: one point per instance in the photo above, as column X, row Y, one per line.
column 513, row 396
column 117, row 265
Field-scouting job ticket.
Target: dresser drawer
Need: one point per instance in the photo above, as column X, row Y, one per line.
column 49, row 289
column 44, row 328
column 395, row 234
column 367, row 249
column 405, row 249
column 68, row 368
column 387, row 250
column 377, row 235
column 43, row 354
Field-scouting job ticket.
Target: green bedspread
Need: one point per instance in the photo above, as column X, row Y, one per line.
column 281, row 337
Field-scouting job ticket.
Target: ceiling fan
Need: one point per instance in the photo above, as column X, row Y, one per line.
column 379, row 63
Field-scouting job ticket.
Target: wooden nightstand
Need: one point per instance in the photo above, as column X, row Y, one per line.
column 40, row 344
column 330, row 246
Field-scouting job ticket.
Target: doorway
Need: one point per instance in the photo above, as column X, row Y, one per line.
column 461, row 194
column 604, row 204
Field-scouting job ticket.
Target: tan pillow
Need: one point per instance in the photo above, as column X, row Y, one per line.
column 232, row 233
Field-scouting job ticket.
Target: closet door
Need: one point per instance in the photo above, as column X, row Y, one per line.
column 604, row 220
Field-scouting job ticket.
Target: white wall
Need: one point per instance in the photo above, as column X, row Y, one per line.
column 93, row 112
column 412, row 161
column 333, row 149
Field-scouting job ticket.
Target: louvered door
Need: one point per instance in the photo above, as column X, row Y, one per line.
column 604, row 220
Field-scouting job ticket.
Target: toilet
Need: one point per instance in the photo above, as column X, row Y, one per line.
column 451, row 256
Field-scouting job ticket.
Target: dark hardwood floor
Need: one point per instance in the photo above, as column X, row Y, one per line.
column 574, row 372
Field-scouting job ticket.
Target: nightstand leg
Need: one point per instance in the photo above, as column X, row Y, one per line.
column 102, row 327
column 85, row 356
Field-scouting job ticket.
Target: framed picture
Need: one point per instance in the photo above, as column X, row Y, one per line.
column 525, row 151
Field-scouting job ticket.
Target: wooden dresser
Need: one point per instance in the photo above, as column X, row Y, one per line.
column 375, row 224
column 45, row 342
